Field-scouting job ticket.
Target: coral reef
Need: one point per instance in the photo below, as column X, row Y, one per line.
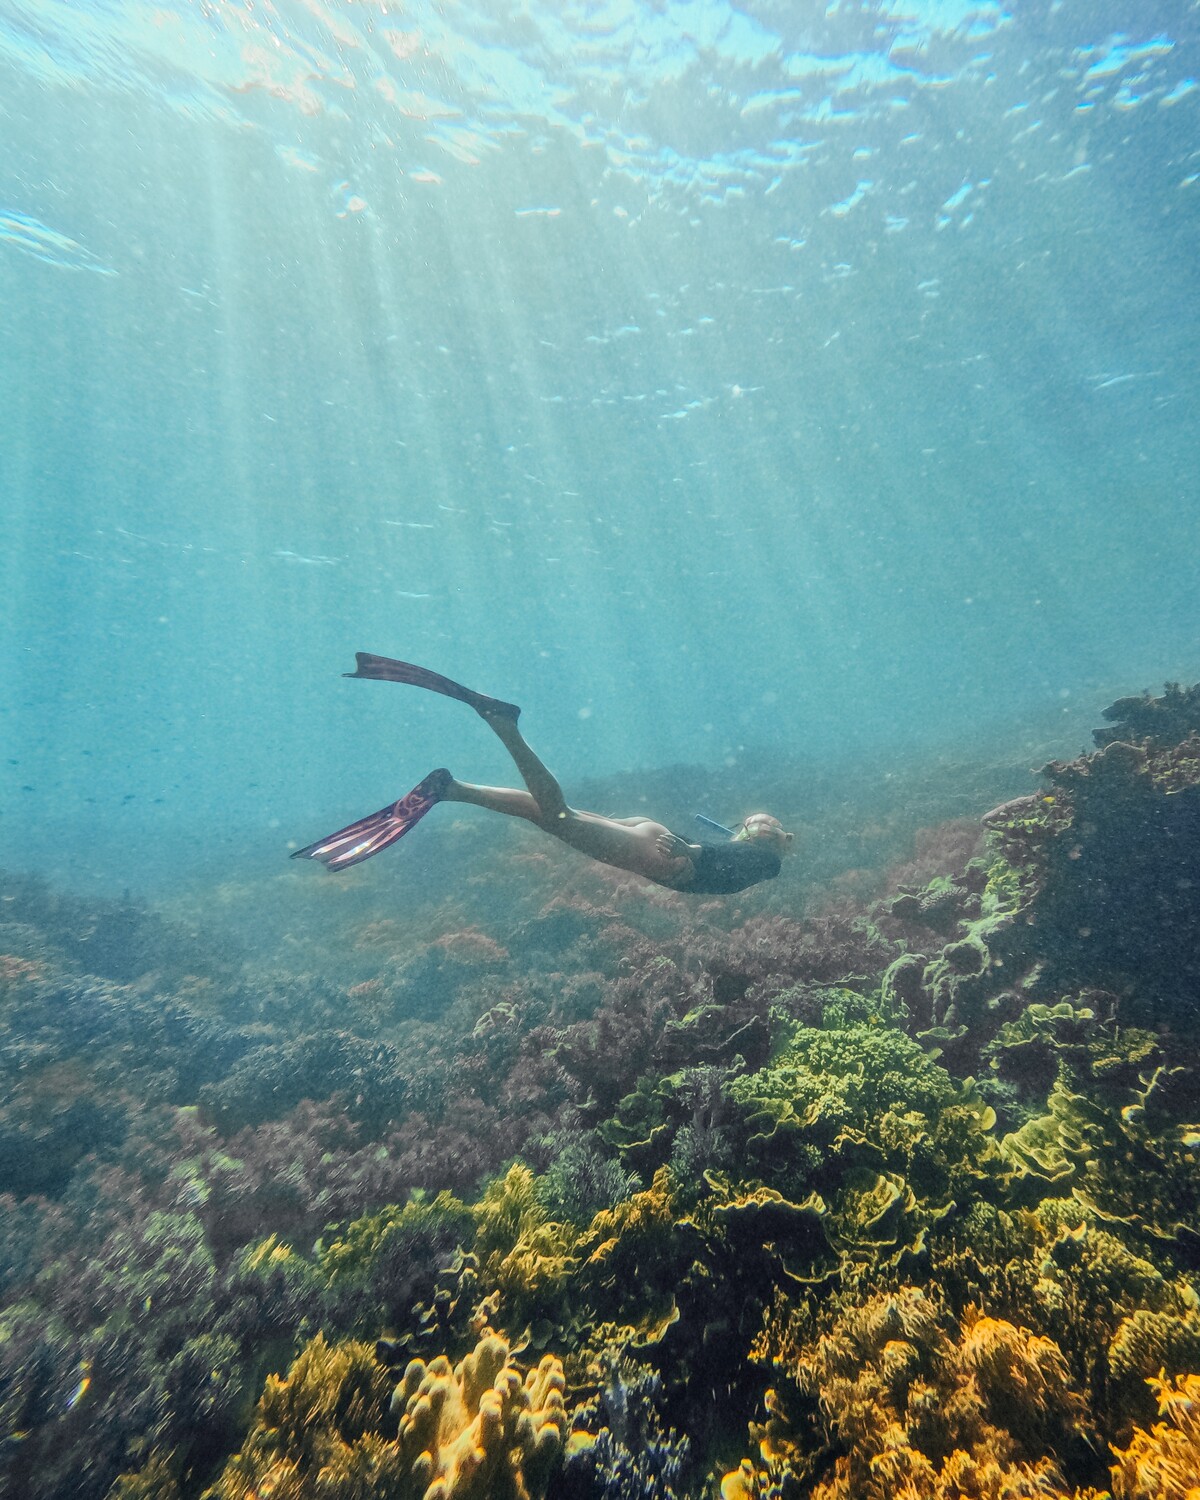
column 1110, row 858
column 580, row 1192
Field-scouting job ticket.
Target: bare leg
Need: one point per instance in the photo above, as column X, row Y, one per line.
column 627, row 843
column 543, row 786
column 501, row 799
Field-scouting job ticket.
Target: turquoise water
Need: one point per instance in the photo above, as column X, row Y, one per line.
column 809, row 379
column 793, row 407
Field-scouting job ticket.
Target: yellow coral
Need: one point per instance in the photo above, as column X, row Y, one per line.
column 1153, row 1340
column 478, row 1432
column 508, row 1209
column 475, row 1432
column 906, row 1475
column 745, row 1483
column 920, row 1409
column 963, row 1477
column 155, row 1480
column 627, row 1246
column 644, row 1217
column 1023, row 1377
column 1164, row 1463
column 523, row 1255
column 313, row 1431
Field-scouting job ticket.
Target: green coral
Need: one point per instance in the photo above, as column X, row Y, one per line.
column 642, row 1129
column 752, row 1221
column 1125, row 1153
column 858, row 1112
column 581, row 1181
column 350, row 1254
column 377, row 1269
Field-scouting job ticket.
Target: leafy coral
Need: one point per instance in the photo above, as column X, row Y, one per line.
column 1126, row 1153
column 857, row 1112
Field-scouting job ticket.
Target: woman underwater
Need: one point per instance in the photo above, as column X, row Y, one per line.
column 752, row 854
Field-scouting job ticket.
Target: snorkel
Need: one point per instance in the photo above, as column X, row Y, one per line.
column 715, row 826
column 757, row 828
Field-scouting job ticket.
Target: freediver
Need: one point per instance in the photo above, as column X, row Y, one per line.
column 751, row 853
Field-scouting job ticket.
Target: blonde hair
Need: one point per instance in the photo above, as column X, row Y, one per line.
column 763, row 828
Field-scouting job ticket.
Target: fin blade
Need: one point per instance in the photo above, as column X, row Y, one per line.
column 388, row 669
column 368, row 836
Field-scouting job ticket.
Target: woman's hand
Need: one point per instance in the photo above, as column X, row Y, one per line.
column 673, row 847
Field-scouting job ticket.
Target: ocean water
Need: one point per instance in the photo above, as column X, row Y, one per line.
column 792, row 406
column 701, row 377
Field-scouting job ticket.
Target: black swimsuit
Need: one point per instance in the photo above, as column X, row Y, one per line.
column 722, row 869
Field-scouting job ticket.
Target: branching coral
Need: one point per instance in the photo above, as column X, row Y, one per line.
column 1119, row 1317
column 897, row 1401
column 523, row 1254
column 1164, row 1463
column 620, row 1448
column 157, row 1479
column 579, row 1181
column 1119, row 1314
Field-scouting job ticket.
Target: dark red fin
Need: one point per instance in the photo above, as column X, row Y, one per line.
column 386, row 669
column 358, row 841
